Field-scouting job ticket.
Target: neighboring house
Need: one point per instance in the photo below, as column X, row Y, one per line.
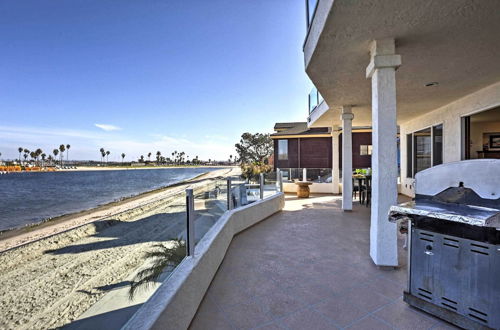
column 298, row 147
column 440, row 58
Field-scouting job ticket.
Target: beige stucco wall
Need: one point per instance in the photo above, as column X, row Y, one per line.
column 176, row 301
column 315, row 188
column 450, row 116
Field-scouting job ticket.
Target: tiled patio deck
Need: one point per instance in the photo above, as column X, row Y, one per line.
column 308, row 267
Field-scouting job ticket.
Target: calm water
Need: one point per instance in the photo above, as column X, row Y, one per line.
column 31, row 197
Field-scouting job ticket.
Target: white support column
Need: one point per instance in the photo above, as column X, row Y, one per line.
column 347, row 118
column 335, row 160
column 382, row 71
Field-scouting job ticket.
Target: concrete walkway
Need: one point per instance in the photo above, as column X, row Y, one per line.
column 308, row 267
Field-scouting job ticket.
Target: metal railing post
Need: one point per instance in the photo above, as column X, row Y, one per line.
column 280, row 175
column 229, row 199
column 190, row 238
column 261, row 185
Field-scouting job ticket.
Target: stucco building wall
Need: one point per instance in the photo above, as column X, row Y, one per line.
column 450, row 116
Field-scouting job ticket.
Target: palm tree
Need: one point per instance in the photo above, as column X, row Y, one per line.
column 141, row 160
column 123, row 156
column 149, row 156
column 103, row 153
column 107, row 156
column 20, row 149
column 26, row 154
column 67, row 152
column 43, row 158
column 230, row 159
column 162, row 257
column 38, row 152
column 158, row 154
column 62, row 149
column 50, row 158
column 55, row 152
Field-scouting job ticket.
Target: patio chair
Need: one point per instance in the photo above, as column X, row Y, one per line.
column 355, row 189
column 366, row 190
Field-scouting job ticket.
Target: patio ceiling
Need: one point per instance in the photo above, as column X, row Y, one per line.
column 455, row 43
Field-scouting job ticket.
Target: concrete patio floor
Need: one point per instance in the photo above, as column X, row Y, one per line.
column 308, row 267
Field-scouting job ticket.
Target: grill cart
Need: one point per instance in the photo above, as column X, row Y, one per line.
column 454, row 243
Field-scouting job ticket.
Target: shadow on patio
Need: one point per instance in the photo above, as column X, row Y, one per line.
column 308, row 267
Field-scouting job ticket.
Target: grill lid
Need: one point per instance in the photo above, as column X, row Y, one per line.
column 465, row 192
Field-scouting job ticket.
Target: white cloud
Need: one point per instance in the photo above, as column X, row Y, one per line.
column 107, row 127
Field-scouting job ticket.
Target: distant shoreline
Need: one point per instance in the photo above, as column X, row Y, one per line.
column 125, row 168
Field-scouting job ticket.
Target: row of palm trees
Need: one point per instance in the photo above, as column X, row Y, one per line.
column 39, row 154
column 105, row 154
column 178, row 158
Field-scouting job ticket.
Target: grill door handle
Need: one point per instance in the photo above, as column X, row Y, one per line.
column 428, row 250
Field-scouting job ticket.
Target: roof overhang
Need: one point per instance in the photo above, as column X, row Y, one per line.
column 300, row 136
column 455, row 43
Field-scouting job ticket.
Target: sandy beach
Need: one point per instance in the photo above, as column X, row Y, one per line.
column 13, row 238
column 54, row 273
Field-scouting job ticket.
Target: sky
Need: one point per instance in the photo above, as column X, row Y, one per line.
column 140, row 76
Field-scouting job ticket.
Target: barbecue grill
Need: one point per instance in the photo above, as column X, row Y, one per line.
column 454, row 243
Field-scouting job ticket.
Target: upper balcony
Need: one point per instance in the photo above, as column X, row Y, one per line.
column 430, row 39
column 317, row 107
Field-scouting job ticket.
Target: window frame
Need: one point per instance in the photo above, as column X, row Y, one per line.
column 369, row 149
column 281, row 155
column 413, row 159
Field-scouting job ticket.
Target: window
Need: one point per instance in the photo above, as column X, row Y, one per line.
column 424, row 149
column 409, row 155
column 437, row 145
column 282, row 149
column 365, row 150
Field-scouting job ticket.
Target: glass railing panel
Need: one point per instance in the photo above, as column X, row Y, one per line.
column 209, row 205
column 315, row 99
column 271, row 184
column 311, row 7
column 319, row 175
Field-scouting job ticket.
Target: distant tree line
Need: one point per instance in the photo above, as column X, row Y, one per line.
column 40, row 158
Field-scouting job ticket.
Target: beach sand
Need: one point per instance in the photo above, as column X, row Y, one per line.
column 13, row 238
column 53, row 274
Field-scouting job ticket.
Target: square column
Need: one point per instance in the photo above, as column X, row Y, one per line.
column 382, row 71
column 347, row 118
column 335, row 160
